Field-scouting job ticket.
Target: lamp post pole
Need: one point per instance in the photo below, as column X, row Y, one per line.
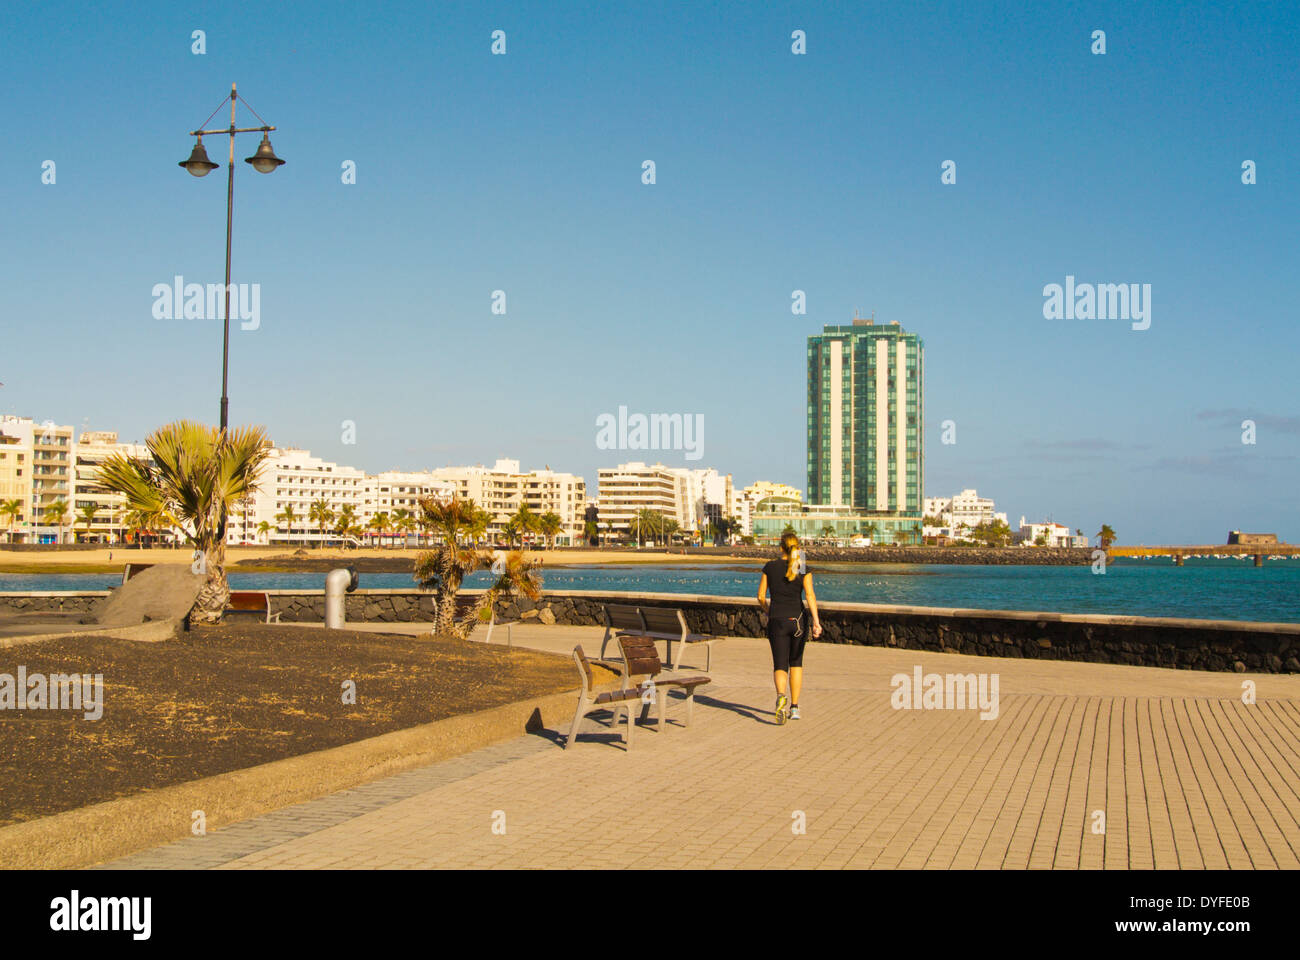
column 263, row 161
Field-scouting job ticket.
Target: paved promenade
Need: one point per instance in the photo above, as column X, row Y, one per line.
column 1185, row 774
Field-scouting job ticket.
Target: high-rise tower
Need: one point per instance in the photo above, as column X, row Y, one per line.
column 865, row 418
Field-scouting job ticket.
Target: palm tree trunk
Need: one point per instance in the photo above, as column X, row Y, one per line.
column 215, row 592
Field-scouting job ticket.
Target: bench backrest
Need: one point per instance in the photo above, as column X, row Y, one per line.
column 620, row 616
column 249, row 600
column 584, row 668
column 640, row 657
column 663, row 620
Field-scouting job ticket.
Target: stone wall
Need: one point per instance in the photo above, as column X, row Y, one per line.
column 1146, row 641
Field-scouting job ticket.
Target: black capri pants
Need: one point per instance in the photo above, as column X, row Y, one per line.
column 786, row 637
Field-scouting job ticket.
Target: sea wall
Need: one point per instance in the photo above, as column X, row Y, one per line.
column 1146, row 641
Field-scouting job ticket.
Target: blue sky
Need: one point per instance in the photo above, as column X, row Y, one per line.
column 774, row 172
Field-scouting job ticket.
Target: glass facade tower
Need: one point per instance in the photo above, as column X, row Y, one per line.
column 865, row 419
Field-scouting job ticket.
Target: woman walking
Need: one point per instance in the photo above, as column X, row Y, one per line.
column 789, row 582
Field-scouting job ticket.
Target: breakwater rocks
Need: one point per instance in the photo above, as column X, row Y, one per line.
column 997, row 556
column 51, row 602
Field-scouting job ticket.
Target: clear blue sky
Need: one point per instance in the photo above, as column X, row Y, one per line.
column 775, row 172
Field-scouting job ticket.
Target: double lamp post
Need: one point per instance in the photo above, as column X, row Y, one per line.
column 263, row 161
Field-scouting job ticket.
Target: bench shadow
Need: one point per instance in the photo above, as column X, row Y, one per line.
column 739, row 708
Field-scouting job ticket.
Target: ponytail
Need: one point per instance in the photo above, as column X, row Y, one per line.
column 790, row 547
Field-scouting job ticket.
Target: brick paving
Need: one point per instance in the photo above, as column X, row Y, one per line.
column 1185, row 774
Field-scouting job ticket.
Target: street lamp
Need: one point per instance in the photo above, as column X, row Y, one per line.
column 198, row 165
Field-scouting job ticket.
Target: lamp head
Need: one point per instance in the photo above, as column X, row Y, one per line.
column 198, row 164
column 265, row 160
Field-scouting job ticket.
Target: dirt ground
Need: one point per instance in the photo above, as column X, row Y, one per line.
column 236, row 695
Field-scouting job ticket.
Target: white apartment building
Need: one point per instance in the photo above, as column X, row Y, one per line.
column 1054, row 534
column 292, row 479
column 92, row 449
column 762, row 489
column 43, row 479
column 960, row 513
column 752, row 495
column 504, row 488
column 691, row 497
column 15, row 481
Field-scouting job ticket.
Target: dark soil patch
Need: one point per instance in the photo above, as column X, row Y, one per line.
column 233, row 696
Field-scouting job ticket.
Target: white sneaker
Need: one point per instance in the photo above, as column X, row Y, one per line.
column 794, row 713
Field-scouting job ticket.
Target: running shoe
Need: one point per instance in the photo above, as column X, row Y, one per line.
column 782, row 706
column 794, row 713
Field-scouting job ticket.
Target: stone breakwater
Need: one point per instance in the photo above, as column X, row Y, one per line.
column 1223, row 645
column 994, row 556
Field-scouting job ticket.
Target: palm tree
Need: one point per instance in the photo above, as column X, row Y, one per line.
column 196, row 475
column 86, row 516
column 287, row 517
column 403, row 523
column 445, row 567
column 56, row 513
column 10, row 509
column 1106, row 536
column 323, row 515
column 524, row 521
column 379, row 523
column 347, row 519
column 263, row 529
column 550, row 526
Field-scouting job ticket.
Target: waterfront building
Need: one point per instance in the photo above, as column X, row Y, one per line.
column 762, row 489
column 960, row 513
column 504, row 488
column 46, row 449
column 694, row 498
column 15, row 480
column 108, row 522
column 1052, row 535
column 865, row 439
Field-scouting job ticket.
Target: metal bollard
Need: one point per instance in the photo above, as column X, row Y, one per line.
column 338, row 583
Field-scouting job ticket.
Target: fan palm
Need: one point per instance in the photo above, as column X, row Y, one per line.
column 56, row 513
column 444, row 568
column 10, row 510
column 287, row 517
column 86, row 516
column 323, row 515
column 379, row 523
column 196, row 475
column 550, row 525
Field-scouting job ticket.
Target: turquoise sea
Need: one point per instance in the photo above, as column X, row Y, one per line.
column 1206, row 589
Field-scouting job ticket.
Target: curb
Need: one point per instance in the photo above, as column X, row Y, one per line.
column 151, row 631
column 116, row 828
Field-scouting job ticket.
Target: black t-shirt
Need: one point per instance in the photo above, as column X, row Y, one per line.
column 787, row 595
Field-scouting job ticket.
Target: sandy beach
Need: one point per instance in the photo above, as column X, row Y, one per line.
column 100, row 561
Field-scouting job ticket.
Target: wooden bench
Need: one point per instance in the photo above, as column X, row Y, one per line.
column 620, row 618
column 666, row 623
column 251, row 601
column 589, row 701
column 641, row 659
column 465, row 610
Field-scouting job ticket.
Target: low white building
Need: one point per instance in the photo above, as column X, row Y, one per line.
column 959, row 514
column 1051, row 534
